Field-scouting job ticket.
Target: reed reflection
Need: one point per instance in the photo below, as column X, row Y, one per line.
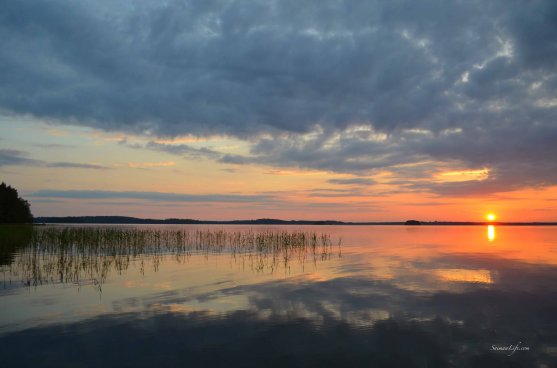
column 490, row 233
column 74, row 255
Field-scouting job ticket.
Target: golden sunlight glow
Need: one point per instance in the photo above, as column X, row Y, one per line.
column 463, row 175
column 490, row 217
column 491, row 233
column 465, row 275
column 184, row 139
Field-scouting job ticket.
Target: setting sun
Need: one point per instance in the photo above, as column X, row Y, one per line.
column 490, row 217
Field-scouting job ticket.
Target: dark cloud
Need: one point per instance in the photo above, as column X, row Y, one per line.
column 48, row 201
column 485, row 70
column 150, row 196
column 182, row 150
column 513, row 161
column 327, row 194
column 76, row 165
column 10, row 157
column 355, row 152
column 18, row 158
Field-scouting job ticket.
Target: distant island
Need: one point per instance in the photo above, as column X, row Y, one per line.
column 412, row 222
column 264, row 221
column 176, row 221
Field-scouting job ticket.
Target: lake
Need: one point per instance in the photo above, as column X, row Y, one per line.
column 274, row 296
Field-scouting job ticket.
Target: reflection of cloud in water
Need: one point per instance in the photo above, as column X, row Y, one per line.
column 465, row 275
column 363, row 301
column 439, row 330
column 386, row 305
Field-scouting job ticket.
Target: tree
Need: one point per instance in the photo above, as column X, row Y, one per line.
column 412, row 222
column 13, row 209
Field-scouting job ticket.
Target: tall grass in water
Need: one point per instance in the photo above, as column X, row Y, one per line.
column 56, row 254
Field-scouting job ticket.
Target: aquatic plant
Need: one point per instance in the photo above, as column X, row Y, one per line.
column 87, row 254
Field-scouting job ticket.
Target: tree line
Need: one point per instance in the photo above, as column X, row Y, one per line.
column 13, row 208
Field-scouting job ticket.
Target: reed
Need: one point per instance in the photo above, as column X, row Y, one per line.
column 88, row 254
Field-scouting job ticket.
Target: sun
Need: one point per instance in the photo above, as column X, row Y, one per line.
column 490, row 217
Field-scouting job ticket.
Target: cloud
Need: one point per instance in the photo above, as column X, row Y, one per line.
column 183, row 150
column 54, row 145
column 151, row 196
column 236, row 68
column 10, row 157
column 18, row 158
column 324, row 193
column 76, row 165
column 415, row 159
column 352, row 181
column 48, row 201
column 478, row 78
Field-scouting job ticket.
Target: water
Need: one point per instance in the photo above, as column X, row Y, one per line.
column 387, row 296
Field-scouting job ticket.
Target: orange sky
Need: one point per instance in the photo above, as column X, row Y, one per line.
column 255, row 190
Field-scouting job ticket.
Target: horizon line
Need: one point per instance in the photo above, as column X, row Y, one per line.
column 117, row 219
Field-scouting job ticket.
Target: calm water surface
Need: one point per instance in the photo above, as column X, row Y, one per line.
column 391, row 296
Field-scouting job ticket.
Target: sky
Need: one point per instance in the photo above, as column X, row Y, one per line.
column 331, row 109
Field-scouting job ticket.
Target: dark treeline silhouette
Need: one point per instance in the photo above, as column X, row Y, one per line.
column 264, row 221
column 412, row 222
column 13, row 208
column 135, row 220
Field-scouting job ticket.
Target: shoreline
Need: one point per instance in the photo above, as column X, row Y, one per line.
column 123, row 220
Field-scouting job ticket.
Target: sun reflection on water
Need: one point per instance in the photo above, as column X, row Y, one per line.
column 490, row 233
